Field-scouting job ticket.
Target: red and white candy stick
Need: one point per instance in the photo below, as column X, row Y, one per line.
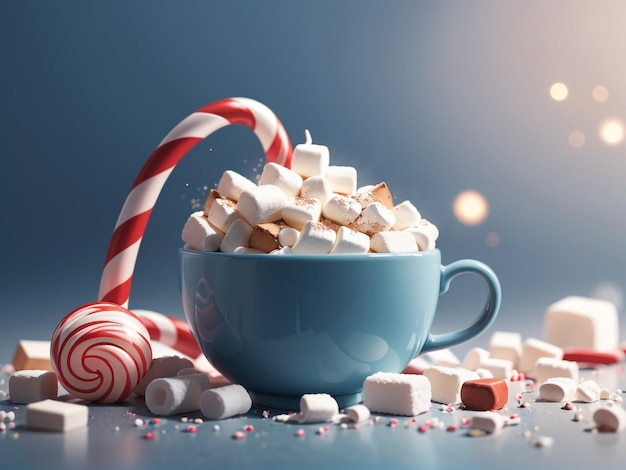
column 119, row 338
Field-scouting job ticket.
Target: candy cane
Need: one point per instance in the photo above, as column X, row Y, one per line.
column 119, row 336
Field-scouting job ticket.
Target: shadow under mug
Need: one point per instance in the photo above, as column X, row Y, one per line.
column 286, row 325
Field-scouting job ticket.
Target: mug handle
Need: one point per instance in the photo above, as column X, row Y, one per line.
column 486, row 317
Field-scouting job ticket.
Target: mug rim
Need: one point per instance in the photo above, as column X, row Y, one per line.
column 307, row 256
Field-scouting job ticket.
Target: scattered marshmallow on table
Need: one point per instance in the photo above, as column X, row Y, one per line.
column 499, row 368
column 350, row 241
column 446, row 383
column 357, row 413
column 547, row 367
column 474, row 357
column 610, row 418
column 582, row 322
column 199, row 234
column 588, row 391
column 342, row 179
column 488, row 421
column 262, row 204
column 168, row 396
column 166, row 366
column 278, row 175
column 533, row 349
column 29, row 386
column 317, row 408
column 225, row 402
column 558, row 389
column 32, row 355
column 398, row 394
column 53, row 415
column 315, row 238
column 506, row 345
column 442, row 357
column 232, row 184
column 393, row 242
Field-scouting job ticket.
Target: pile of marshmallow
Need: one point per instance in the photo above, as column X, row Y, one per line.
column 312, row 208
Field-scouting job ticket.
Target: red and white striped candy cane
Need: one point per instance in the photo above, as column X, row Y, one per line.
column 124, row 245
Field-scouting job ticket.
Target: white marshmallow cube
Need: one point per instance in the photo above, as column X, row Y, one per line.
column 588, row 391
column 548, row 367
column 222, row 213
column 425, row 234
column 610, row 418
column 446, row 383
column 225, row 402
column 374, row 218
column 317, row 408
column 288, row 236
column 232, row 184
column 506, row 345
column 238, row 235
column 199, row 234
column 342, row 179
column 278, row 175
column 442, row 357
column 484, row 373
column 168, row 396
column 262, row 204
column 165, row 366
column 474, row 357
column 533, row 349
column 558, row 389
column 397, row 394
column 299, row 210
column 488, row 421
column 406, row 215
column 342, row 209
column 317, row 187
column 393, row 242
column 499, row 368
column 310, row 159
column 582, row 322
column 315, row 238
column 58, row 416
column 350, row 241
column 29, row 386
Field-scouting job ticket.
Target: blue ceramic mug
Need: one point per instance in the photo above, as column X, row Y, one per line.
column 286, row 325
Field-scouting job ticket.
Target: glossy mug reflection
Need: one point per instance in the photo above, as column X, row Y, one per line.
column 285, row 325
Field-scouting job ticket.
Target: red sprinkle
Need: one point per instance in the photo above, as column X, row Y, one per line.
column 356, row 425
column 239, row 435
column 149, row 436
column 451, row 428
column 300, row 432
column 192, row 429
column 156, row 421
column 465, row 421
column 568, row 406
column 248, row 428
column 393, row 422
column 423, row 428
column 524, row 405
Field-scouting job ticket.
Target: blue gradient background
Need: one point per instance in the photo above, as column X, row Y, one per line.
column 432, row 97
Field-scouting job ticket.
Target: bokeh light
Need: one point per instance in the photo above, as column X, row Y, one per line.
column 600, row 93
column 558, row 91
column 492, row 239
column 611, row 131
column 470, row 207
column 576, row 139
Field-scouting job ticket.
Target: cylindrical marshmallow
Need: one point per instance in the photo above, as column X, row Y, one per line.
column 288, row 236
column 558, row 389
column 547, row 367
column 350, row 241
column 342, row 179
column 474, row 357
column 238, row 235
column 342, row 209
column 222, row 213
column 299, row 210
column 393, row 242
column 374, row 218
column 315, row 238
column 610, row 418
column 232, row 184
column 174, row 395
column 262, row 204
column 278, row 175
column 224, row 402
column 406, row 214
column 168, row 366
column 310, row 159
column 317, row 187
column 358, row 413
column 588, row 391
column 199, row 234
column 425, row 234
column 317, row 408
